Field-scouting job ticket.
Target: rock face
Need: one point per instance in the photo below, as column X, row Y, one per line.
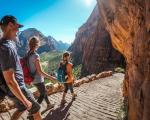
column 128, row 22
column 22, row 45
column 92, row 47
column 59, row 45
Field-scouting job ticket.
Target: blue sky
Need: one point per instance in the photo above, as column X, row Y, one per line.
column 58, row 18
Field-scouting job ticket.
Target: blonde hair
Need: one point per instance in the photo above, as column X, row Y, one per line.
column 33, row 42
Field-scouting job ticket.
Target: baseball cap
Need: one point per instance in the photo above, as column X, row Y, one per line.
column 9, row 18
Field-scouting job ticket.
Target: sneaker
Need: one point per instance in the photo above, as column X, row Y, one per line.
column 50, row 106
column 74, row 96
column 63, row 102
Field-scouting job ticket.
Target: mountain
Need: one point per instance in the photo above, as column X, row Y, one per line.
column 22, row 45
column 92, row 47
column 59, row 45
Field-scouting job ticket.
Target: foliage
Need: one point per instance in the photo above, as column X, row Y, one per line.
column 119, row 70
column 50, row 61
column 123, row 110
column 77, row 71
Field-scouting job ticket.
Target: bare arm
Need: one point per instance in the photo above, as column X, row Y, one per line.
column 14, row 87
column 69, row 73
column 41, row 72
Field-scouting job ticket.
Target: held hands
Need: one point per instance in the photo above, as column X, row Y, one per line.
column 53, row 78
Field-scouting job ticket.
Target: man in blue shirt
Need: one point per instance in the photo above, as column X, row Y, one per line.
column 12, row 70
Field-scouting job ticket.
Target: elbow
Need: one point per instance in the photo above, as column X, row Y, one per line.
column 11, row 83
column 40, row 72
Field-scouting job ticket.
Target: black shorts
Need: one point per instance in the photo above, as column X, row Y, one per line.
column 35, row 106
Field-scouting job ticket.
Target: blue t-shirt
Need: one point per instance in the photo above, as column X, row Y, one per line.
column 9, row 59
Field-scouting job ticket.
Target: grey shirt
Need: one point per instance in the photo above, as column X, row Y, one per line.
column 9, row 60
column 37, row 78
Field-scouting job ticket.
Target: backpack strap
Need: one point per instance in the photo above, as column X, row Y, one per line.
column 65, row 67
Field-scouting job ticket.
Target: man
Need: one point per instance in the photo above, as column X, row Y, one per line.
column 12, row 71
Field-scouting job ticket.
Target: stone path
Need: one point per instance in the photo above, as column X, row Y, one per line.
column 98, row 100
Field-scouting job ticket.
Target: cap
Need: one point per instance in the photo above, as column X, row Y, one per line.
column 9, row 18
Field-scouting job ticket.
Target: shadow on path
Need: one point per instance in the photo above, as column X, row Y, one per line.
column 60, row 113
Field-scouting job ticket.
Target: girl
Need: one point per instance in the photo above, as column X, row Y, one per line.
column 35, row 67
column 69, row 77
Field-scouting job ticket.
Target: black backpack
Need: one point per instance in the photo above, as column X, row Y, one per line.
column 3, row 86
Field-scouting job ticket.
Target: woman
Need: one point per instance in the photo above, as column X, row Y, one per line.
column 69, row 77
column 35, row 67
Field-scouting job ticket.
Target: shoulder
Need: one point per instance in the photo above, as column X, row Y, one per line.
column 5, row 50
column 69, row 64
column 34, row 55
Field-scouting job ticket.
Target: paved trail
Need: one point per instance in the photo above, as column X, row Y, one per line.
column 97, row 100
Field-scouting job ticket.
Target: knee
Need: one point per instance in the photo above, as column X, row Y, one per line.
column 43, row 94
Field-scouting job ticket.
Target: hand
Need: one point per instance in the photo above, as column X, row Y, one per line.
column 53, row 78
column 28, row 105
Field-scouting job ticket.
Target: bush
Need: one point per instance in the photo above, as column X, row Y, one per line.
column 77, row 71
column 119, row 70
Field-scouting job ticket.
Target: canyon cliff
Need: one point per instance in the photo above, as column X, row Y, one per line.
column 92, row 47
column 128, row 23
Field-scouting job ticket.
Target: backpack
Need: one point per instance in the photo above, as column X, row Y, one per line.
column 3, row 87
column 28, row 75
column 61, row 73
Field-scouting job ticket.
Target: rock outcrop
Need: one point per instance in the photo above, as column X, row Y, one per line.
column 92, row 47
column 22, row 45
column 128, row 22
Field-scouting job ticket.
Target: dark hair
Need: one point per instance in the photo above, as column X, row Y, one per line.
column 9, row 18
column 33, row 42
column 66, row 54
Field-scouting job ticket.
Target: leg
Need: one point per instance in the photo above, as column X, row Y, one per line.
column 37, row 116
column 46, row 98
column 35, row 106
column 16, row 115
column 49, row 105
column 42, row 91
column 43, row 95
column 21, row 108
column 70, row 86
column 64, row 93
